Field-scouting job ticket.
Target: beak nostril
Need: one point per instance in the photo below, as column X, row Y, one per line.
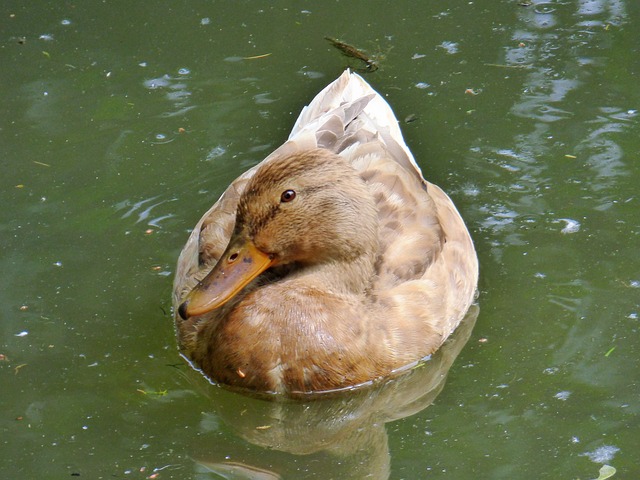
column 182, row 310
column 233, row 257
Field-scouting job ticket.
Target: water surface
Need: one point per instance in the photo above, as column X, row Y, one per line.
column 122, row 122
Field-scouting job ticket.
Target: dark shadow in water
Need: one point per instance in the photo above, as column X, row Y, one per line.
column 343, row 436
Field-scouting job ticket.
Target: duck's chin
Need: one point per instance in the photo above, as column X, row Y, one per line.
column 277, row 273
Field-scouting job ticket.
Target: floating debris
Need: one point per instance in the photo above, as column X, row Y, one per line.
column 601, row 454
column 450, row 47
column 564, row 395
column 255, row 57
column 158, row 393
column 572, row 226
column 607, row 471
column 353, row 52
column 500, row 65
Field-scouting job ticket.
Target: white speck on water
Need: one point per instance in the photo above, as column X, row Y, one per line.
column 417, row 56
column 205, row 21
column 24, row 333
column 450, row 47
column 216, row 152
column 471, row 190
column 564, row 395
column 572, row 226
column 159, row 82
column 602, row 454
column 310, row 73
column 422, row 85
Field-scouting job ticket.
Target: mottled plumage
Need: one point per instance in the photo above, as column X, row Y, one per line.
column 329, row 264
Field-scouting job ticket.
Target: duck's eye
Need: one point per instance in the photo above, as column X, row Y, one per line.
column 287, row 196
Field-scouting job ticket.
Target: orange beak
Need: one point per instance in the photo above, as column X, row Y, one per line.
column 240, row 263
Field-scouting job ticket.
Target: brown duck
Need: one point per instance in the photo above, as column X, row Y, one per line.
column 329, row 264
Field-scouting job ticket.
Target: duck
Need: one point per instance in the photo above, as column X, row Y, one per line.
column 330, row 264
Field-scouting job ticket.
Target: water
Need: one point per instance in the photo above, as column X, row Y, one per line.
column 122, row 124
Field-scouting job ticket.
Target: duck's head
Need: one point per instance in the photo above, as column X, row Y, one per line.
column 307, row 208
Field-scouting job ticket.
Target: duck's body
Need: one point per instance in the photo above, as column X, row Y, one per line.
column 335, row 261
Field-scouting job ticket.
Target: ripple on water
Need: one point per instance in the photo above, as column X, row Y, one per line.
column 544, row 8
column 143, row 210
column 176, row 90
column 161, row 139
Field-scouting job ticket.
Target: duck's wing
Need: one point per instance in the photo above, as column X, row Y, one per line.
column 207, row 241
column 428, row 268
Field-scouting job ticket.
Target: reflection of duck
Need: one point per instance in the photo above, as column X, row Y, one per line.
column 329, row 264
column 342, row 436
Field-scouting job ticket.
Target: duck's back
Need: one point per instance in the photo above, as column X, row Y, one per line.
column 428, row 269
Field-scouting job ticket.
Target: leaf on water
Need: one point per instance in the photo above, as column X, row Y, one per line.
column 607, row 471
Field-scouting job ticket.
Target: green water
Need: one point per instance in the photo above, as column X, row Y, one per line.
column 123, row 121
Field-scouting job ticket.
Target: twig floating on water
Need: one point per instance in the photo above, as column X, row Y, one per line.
column 521, row 67
column 255, row 57
column 353, row 52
